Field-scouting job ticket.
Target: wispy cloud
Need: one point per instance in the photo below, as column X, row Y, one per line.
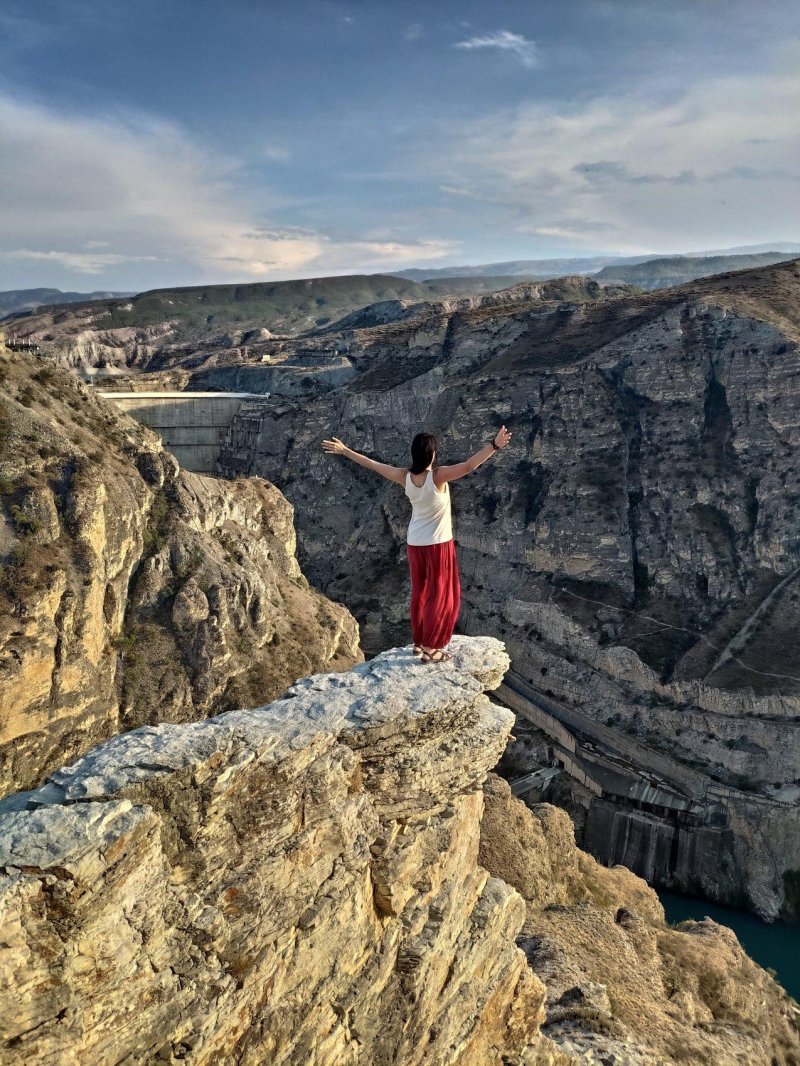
column 80, row 262
column 413, row 32
column 505, row 41
column 95, row 194
column 276, row 153
column 654, row 175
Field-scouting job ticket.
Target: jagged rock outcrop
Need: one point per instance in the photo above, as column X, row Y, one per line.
column 133, row 592
column 302, row 883
column 635, row 547
column 292, row 884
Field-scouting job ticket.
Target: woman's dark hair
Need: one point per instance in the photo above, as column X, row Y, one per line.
column 422, row 448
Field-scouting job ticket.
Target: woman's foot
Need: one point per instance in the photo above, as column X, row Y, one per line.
column 435, row 655
column 418, row 649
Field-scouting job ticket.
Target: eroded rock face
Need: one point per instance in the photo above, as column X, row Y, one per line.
column 332, row 879
column 635, row 546
column 645, row 475
column 292, row 884
column 132, row 591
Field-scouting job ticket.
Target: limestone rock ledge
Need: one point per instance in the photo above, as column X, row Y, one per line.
column 298, row 883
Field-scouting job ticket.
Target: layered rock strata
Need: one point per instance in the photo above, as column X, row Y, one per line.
column 635, row 546
column 130, row 590
column 292, row 884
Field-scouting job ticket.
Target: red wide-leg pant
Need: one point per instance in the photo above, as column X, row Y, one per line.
column 435, row 592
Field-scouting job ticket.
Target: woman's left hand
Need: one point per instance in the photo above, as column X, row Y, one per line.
column 334, row 446
column 502, row 437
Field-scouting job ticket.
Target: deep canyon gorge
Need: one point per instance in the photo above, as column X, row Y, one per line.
column 333, row 869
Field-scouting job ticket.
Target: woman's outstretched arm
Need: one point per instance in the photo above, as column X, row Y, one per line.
column 391, row 473
column 457, row 470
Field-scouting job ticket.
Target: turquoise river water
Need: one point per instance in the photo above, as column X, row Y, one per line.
column 773, row 944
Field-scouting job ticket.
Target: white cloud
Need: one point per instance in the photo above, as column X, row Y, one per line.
column 94, row 194
column 505, row 41
column 80, row 262
column 413, row 32
column 715, row 166
column 384, row 253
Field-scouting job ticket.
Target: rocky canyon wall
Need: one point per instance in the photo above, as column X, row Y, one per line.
column 635, row 546
column 130, row 590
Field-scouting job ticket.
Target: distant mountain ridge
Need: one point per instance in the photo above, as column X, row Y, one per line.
column 13, row 301
column 98, row 330
column 541, row 268
column 677, row 270
column 221, row 315
column 748, row 256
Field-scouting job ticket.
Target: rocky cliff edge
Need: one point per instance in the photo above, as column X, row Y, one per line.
column 131, row 591
column 315, row 881
column 292, row 884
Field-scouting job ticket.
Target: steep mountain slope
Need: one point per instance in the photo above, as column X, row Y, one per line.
column 665, row 423
column 636, row 545
column 132, row 592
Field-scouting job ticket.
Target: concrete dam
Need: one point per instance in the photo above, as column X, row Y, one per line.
column 631, row 804
column 192, row 425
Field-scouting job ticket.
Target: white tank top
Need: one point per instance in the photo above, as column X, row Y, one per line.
column 431, row 520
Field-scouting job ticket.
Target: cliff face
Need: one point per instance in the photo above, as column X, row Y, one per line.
column 635, row 546
column 297, row 883
column 132, row 592
column 305, row 883
column 648, row 470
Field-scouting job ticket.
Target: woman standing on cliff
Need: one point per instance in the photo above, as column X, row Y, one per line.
column 431, row 550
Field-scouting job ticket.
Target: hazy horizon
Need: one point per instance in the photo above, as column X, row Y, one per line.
column 175, row 143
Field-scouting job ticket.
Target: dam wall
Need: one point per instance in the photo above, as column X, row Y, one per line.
column 674, row 826
column 192, row 425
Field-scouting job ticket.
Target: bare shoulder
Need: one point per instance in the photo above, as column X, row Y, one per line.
column 445, row 474
column 440, row 478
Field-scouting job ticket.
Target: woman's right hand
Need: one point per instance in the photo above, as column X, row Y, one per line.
column 334, row 446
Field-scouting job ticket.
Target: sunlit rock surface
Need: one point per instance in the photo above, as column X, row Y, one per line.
column 332, row 879
column 131, row 591
column 292, row 884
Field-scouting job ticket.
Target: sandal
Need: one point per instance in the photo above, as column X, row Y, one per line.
column 438, row 656
column 417, row 649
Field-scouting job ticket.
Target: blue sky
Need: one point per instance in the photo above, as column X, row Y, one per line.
column 161, row 143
